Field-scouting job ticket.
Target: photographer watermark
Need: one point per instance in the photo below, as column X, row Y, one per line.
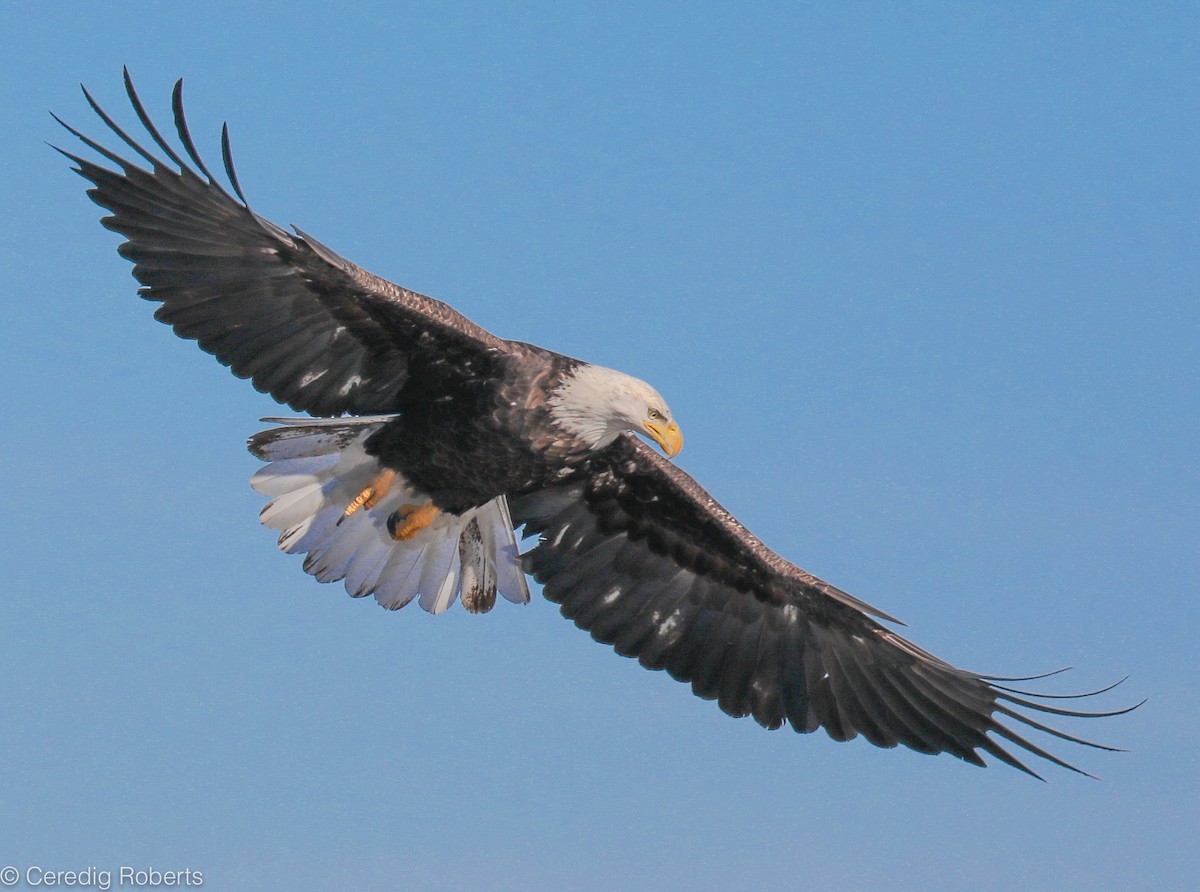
column 36, row 876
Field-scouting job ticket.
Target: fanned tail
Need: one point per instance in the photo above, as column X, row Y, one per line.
column 318, row 468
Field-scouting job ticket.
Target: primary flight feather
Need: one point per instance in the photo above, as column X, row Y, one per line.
column 433, row 440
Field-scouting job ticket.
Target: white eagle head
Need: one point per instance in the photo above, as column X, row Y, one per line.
column 596, row 405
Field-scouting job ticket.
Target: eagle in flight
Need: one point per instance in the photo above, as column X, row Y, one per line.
column 428, row 441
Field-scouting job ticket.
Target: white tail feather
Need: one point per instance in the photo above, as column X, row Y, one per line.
column 316, row 469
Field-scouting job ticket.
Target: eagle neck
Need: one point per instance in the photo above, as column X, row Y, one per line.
column 582, row 405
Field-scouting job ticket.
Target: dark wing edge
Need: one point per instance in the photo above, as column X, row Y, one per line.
column 639, row 555
column 305, row 325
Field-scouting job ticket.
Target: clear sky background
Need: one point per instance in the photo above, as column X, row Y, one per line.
column 920, row 282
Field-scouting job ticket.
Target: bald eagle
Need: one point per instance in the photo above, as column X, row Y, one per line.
column 429, row 441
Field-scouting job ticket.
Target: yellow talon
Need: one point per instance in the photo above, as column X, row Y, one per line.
column 408, row 520
column 377, row 487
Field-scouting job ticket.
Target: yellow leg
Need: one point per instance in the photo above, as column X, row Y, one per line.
column 377, row 487
column 408, row 520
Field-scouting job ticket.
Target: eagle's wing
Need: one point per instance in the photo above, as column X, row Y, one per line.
column 310, row 328
column 638, row 554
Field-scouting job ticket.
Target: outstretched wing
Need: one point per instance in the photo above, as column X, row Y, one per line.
column 307, row 326
column 639, row 555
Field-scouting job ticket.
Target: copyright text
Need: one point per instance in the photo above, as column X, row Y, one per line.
column 35, row 876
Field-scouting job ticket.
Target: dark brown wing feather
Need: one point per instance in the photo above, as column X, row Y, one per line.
column 310, row 328
column 639, row 555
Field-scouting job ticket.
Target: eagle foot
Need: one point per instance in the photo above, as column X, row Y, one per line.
column 408, row 520
column 377, row 487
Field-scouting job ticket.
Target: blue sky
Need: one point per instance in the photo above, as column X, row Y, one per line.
column 920, row 283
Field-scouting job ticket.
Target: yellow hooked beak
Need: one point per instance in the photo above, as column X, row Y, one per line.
column 667, row 436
